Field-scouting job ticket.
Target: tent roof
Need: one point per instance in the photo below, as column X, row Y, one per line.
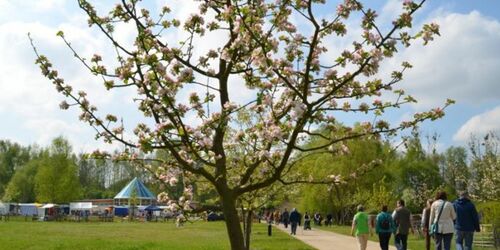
column 152, row 208
column 135, row 188
column 80, row 205
column 50, row 205
column 30, row 204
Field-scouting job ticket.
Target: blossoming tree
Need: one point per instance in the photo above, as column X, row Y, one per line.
column 278, row 49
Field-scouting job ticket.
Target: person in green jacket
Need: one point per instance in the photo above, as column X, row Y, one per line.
column 360, row 227
column 384, row 227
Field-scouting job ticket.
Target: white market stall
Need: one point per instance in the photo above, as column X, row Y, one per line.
column 80, row 210
column 48, row 211
column 80, row 206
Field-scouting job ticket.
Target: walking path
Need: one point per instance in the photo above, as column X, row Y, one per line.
column 324, row 240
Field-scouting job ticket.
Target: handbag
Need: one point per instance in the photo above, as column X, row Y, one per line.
column 435, row 225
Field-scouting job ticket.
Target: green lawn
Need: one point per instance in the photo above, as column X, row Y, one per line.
column 17, row 234
column 414, row 243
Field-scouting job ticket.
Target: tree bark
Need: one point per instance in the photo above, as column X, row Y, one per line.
column 248, row 227
column 232, row 222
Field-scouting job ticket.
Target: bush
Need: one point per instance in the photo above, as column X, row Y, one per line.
column 489, row 212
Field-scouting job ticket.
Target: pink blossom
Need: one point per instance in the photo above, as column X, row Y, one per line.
column 206, row 142
column 330, row 74
column 173, row 181
column 230, row 106
column 264, row 154
column 225, row 55
column 298, row 110
column 64, row 105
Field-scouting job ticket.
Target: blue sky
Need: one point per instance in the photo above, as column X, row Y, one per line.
column 462, row 64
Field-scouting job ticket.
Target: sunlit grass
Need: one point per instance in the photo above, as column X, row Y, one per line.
column 18, row 234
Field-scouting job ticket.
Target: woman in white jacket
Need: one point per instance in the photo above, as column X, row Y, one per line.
column 444, row 221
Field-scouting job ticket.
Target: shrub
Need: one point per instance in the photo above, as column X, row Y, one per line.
column 489, row 212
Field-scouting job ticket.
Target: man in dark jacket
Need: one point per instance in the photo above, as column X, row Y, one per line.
column 466, row 223
column 294, row 221
column 285, row 218
column 402, row 218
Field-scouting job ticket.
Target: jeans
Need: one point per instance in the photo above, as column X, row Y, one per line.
column 464, row 236
column 294, row 228
column 443, row 240
column 384, row 240
column 401, row 241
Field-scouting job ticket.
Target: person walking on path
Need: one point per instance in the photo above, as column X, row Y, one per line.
column 402, row 219
column 442, row 213
column 329, row 219
column 317, row 219
column 360, row 227
column 307, row 221
column 384, row 227
column 277, row 217
column 426, row 213
column 285, row 218
column 294, row 221
column 467, row 221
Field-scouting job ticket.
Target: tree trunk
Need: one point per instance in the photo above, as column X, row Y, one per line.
column 342, row 208
column 232, row 222
column 248, row 227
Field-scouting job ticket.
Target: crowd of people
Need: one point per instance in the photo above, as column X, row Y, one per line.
column 440, row 220
column 294, row 219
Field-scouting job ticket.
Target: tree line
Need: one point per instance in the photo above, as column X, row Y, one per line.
column 56, row 174
column 369, row 171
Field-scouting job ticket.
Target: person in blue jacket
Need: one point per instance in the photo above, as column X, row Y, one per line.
column 294, row 221
column 467, row 221
column 384, row 227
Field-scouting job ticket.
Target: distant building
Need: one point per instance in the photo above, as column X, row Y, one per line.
column 135, row 193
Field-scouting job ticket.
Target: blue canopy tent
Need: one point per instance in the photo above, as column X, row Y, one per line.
column 152, row 208
column 152, row 212
column 135, row 193
column 120, row 211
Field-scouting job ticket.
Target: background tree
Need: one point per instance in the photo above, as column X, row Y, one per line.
column 419, row 174
column 56, row 179
column 296, row 86
column 21, row 187
column 12, row 156
column 457, row 173
column 92, row 177
column 485, row 167
column 354, row 170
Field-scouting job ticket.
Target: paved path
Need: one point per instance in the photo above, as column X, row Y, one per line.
column 325, row 240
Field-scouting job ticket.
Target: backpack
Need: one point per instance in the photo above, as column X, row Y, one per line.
column 385, row 224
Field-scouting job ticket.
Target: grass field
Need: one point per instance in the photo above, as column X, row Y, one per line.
column 17, row 234
column 414, row 243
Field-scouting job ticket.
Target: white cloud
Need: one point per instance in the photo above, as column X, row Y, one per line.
column 43, row 126
column 23, row 90
column 479, row 125
column 31, row 97
column 461, row 64
column 46, row 5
